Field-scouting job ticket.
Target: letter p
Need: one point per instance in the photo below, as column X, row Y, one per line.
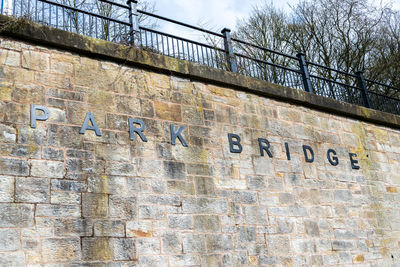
column 35, row 117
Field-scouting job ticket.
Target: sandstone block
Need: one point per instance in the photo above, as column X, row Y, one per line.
column 10, row 58
column 109, row 228
column 185, row 260
column 65, row 197
column 168, row 111
column 58, row 250
column 182, row 222
column 120, row 168
column 14, row 259
column 139, row 229
column 16, row 215
column 94, row 205
column 73, row 227
column 204, row 186
column 124, row 249
column 27, row 135
column 219, row 243
column 122, row 207
column 52, row 153
column 33, row 190
column 14, row 167
column 244, row 197
column 107, row 184
column 50, row 169
column 54, row 210
column 7, row 134
column 36, row 60
column 151, row 212
column 171, row 243
column 174, row 170
column 6, row 189
column 9, row 239
column 255, row 215
column 150, row 246
column 204, row 205
column 150, row 168
column 206, row 223
column 193, row 243
column 97, row 249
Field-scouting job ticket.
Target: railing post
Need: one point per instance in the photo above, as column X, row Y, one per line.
column 304, row 73
column 230, row 57
column 134, row 33
column 363, row 86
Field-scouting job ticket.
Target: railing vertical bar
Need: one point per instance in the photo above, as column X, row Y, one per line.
column 168, row 46
column 193, row 57
column 188, row 50
column 198, row 54
column 177, row 48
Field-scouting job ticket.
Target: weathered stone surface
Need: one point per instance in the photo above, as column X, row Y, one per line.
column 174, row 170
column 109, row 228
column 56, row 250
column 36, row 60
column 55, row 210
column 97, row 249
column 180, row 222
column 9, row 239
column 94, row 205
column 204, row 205
column 206, row 223
column 12, row 258
column 125, row 249
column 219, row 243
column 73, row 227
column 150, row 246
column 171, row 243
column 14, row 167
column 16, row 215
column 33, row 190
column 50, row 169
column 123, row 207
column 166, row 111
column 6, row 189
column 84, row 200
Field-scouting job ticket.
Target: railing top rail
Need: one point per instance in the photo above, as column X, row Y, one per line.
column 334, row 82
column 386, row 96
column 115, row 4
column 331, row 69
column 265, row 49
column 180, row 23
column 164, row 18
column 382, row 84
column 85, row 12
column 181, row 38
column 268, row 63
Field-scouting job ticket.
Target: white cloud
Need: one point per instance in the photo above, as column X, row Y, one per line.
column 211, row 14
column 216, row 14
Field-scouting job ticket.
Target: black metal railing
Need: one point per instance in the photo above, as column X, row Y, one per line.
column 120, row 23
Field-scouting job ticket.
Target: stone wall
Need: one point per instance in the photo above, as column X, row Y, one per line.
column 71, row 199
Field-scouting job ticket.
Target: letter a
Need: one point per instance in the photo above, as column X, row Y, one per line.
column 86, row 126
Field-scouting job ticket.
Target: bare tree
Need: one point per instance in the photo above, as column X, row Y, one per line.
column 348, row 35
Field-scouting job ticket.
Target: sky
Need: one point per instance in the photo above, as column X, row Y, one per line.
column 215, row 14
column 211, row 14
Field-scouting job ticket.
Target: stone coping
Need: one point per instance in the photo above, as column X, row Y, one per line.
column 39, row 34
